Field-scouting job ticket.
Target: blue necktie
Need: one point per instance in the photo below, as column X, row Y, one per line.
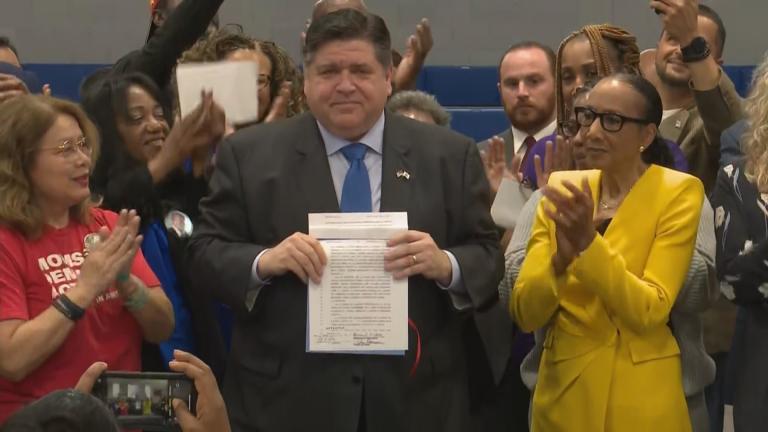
column 356, row 193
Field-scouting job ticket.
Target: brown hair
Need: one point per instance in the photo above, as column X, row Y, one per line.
column 345, row 25
column 284, row 69
column 531, row 45
column 600, row 37
column 26, row 119
column 219, row 44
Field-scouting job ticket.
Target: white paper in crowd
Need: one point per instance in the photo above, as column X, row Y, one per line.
column 358, row 308
column 510, row 199
column 234, row 85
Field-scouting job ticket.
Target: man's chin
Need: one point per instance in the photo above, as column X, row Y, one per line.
column 526, row 122
column 675, row 79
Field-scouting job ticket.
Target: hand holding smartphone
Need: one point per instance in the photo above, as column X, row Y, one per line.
column 144, row 400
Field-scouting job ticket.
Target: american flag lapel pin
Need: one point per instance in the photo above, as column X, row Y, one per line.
column 403, row 174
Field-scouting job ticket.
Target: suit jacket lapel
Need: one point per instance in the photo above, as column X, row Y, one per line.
column 396, row 171
column 634, row 205
column 509, row 145
column 673, row 127
column 313, row 172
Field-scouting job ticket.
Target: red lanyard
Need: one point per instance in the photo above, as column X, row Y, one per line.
column 416, row 362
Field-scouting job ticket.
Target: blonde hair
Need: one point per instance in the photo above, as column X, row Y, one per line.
column 755, row 140
column 26, row 119
column 600, row 37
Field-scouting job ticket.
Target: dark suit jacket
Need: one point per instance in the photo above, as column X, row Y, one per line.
column 509, row 148
column 268, row 178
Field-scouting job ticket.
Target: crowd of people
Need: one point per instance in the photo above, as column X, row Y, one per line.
column 601, row 265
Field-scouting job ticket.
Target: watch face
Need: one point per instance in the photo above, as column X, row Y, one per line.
column 699, row 44
column 698, row 49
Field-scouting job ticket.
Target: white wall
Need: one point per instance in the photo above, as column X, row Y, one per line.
column 471, row 32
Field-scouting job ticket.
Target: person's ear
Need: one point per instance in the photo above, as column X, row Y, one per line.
column 651, row 131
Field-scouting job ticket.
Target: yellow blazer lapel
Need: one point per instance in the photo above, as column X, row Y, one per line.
column 634, row 220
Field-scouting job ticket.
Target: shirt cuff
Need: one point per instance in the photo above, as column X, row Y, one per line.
column 455, row 284
column 256, row 283
column 456, row 288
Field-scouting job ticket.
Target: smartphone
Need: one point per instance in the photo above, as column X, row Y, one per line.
column 143, row 400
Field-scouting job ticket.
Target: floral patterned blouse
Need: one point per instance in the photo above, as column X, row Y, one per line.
column 741, row 229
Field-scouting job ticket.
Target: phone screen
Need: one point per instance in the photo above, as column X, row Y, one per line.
column 144, row 399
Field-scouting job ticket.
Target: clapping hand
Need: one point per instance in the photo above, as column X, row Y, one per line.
column 201, row 128
column 110, row 256
column 10, row 87
column 495, row 164
column 573, row 217
column 416, row 50
column 556, row 158
column 279, row 108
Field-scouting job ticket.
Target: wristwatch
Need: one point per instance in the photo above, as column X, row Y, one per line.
column 68, row 308
column 697, row 50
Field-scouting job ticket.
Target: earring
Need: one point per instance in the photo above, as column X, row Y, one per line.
column 642, row 149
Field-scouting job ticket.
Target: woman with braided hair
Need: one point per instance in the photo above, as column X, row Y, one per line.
column 587, row 55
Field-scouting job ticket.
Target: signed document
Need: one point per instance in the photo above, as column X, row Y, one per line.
column 358, row 307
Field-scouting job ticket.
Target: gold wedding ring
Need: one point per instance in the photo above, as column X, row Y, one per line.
column 414, row 259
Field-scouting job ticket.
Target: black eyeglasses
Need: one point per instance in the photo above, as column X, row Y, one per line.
column 611, row 122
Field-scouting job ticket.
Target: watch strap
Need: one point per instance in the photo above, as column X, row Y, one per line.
column 68, row 308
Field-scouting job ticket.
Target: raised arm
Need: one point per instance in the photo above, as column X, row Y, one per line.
column 159, row 55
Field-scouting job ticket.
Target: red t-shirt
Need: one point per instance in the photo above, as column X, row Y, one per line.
column 32, row 274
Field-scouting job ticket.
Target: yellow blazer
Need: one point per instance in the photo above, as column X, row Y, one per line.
column 610, row 362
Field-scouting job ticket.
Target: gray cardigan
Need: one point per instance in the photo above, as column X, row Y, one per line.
column 698, row 293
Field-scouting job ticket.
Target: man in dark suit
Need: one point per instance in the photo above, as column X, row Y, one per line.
column 251, row 246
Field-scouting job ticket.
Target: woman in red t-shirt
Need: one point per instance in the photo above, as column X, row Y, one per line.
column 74, row 287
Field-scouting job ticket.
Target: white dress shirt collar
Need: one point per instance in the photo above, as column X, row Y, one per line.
column 520, row 136
column 374, row 139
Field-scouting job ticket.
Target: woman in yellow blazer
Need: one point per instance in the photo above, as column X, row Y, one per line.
column 605, row 278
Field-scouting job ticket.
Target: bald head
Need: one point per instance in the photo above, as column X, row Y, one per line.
column 324, row 7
